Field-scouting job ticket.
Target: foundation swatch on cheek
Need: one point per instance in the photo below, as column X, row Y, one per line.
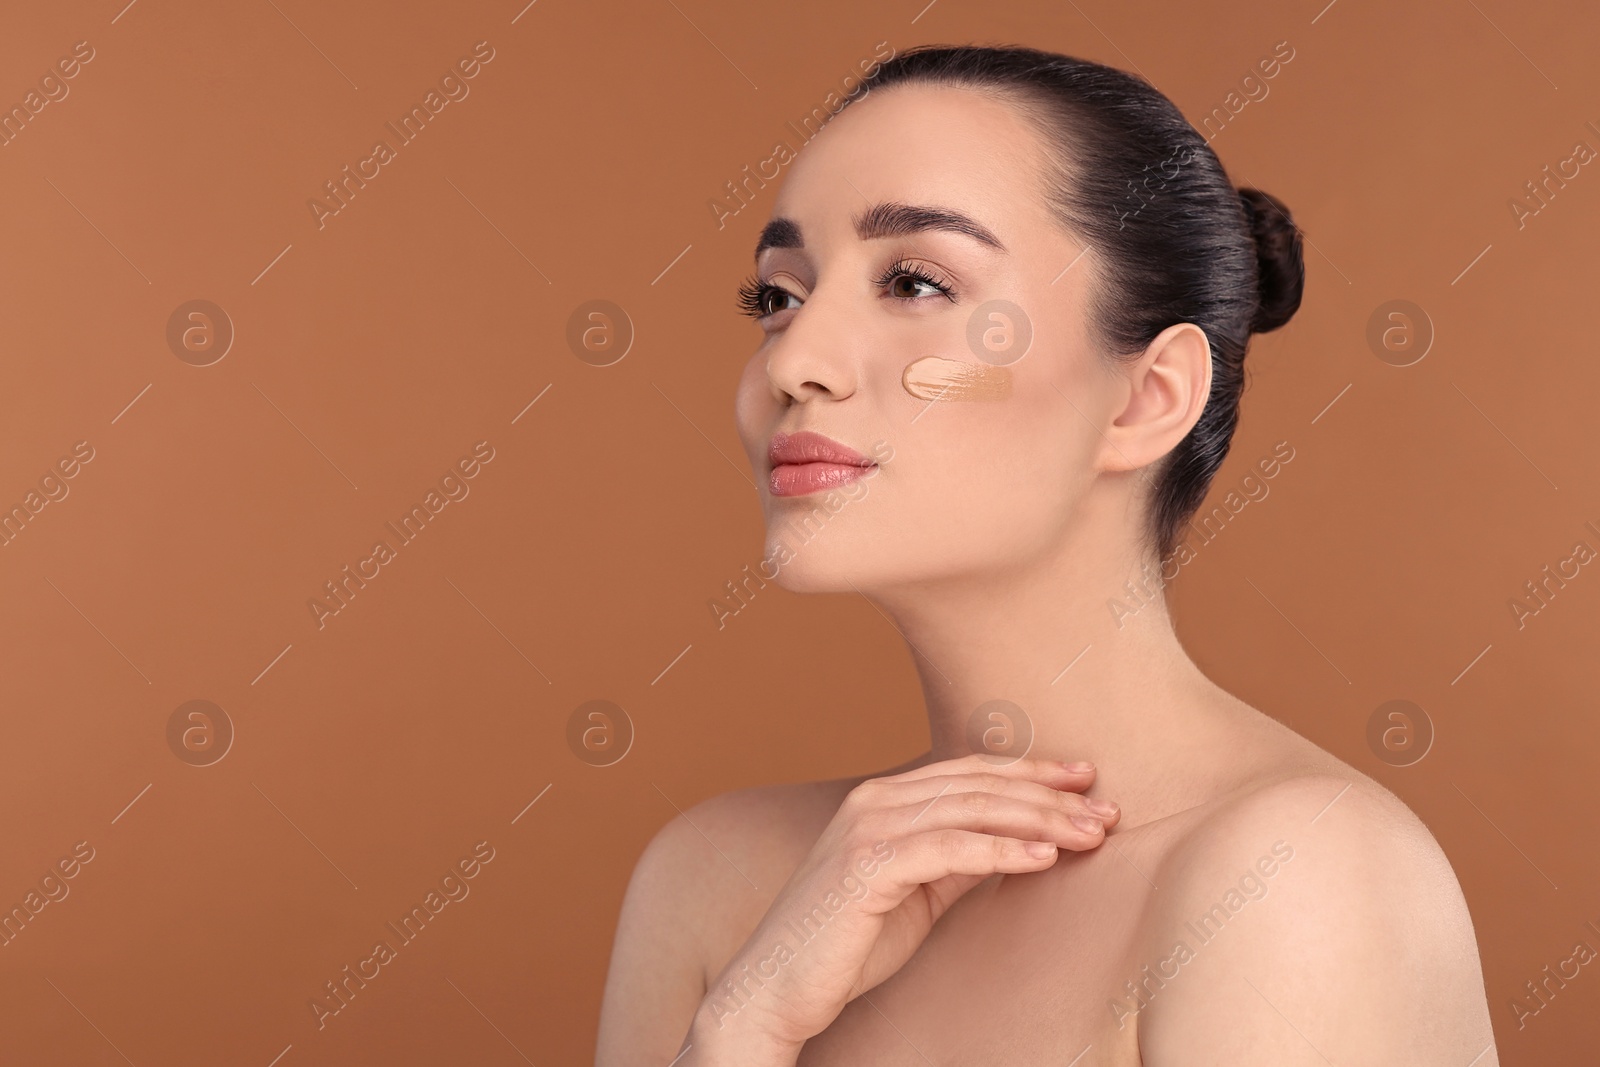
column 937, row 378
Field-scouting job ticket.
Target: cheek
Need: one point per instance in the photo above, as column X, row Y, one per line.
column 982, row 476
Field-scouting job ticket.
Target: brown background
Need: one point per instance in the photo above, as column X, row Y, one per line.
column 371, row 754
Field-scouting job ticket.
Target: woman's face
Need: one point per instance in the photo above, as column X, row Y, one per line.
column 962, row 486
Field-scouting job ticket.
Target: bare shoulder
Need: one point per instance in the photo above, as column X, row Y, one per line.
column 1311, row 916
column 733, row 851
column 755, row 833
column 700, row 886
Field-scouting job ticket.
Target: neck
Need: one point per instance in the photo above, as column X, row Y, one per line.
column 1091, row 660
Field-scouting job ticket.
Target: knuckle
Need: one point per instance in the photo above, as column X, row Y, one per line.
column 1027, row 766
column 863, row 795
column 991, row 782
column 948, row 845
column 1070, row 803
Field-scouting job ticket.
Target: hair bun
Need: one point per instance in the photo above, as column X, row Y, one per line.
column 1281, row 270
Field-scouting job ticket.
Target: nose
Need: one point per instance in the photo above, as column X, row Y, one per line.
column 816, row 355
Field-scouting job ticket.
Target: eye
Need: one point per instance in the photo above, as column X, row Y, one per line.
column 902, row 272
column 758, row 299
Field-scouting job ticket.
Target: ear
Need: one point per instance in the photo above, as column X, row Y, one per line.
column 1167, row 390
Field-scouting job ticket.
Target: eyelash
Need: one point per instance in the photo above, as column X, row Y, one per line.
column 754, row 292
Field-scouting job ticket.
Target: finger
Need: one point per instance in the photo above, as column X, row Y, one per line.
column 1076, row 776
column 929, row 857
column 937, row 790
column 999, row 815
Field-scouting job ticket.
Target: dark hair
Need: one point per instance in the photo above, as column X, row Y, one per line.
column 1182, row 247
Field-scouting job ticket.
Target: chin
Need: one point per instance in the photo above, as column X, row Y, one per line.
column 860, row 560
column 814, row 566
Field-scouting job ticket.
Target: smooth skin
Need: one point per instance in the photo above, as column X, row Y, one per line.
column 1254, row 901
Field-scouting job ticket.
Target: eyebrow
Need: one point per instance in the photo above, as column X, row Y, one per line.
column 889, row 219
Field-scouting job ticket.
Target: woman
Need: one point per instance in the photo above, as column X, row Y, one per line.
column 1005, row 302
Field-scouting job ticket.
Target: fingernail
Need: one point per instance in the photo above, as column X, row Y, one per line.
column 1103, row 807
column 1039, row 849
column 1080, row 767
column 1086, row 824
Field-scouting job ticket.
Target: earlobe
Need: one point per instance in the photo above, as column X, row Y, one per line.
column 1167, row 390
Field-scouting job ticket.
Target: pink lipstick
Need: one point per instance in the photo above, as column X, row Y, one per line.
column 807, row 462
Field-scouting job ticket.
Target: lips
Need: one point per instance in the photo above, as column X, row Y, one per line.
column 809, row 447
column 807, row 462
